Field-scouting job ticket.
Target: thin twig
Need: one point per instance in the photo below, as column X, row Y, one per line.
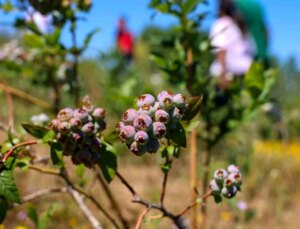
column 193, row 174
column 164, row 185
column 26, row 96
column 64, row 175
column 42, row 192
column 112, row 199
column 79, row 200
column 194, row 203
column 10, row 152
column 141, row 217
column 43, row 170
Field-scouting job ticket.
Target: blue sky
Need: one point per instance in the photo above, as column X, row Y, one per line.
column 283, row 20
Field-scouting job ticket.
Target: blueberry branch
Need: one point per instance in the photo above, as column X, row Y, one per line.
column 11, row 151
column 164, row 185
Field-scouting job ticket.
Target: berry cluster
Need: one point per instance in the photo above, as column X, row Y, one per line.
column 226, row 182
column 78, row 132
column 142, row 129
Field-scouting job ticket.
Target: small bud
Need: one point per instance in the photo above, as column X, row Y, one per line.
column 75, row 123
column 141, row 137
column 65, row 114
column 233, row 169
column 88, row 128
column 129, row 116
column 127, row 134
column 99, row 113
column 64, row 127
column 137, row 149
column 179, row 100
column 142, row 122
column 220, row 174
column 229, row 192
column 54, row 124
column 145, row 99
column 81, row 114
column 162, row 116
column 214, row 187
column 176, row 114
column 159, row 130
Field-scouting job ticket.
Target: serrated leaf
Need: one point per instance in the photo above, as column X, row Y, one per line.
column 178, row 135
column 56, row 154
column 108, row 161
column 194, row 105
column 8, row 188
column 3, row 209
column 35, row 130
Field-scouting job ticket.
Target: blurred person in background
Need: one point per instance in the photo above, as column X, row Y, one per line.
column 232, row 45
column 254, row 17
column 125, row 41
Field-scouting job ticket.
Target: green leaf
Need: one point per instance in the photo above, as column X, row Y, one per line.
column 35, row 130
column 32, row 214
column 49, row 137
column 34, row 40
column 43, row 220
column 53, row 38
column 89, row 37
column 178, row 135
column 56, row 154
column 108, row 161
column 112, row 137
column 190, row 5
column 166, row 166
column 3, row 209
column 194, row 105
column 218, row 199
column 8, row 188
column 254, row 79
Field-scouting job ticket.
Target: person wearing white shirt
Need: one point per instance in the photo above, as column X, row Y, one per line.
column 232, row 45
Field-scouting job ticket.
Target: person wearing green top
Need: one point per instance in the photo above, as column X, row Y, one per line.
column 253, row 15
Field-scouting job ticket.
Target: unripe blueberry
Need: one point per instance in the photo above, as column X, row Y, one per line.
column 141, row 137
column 236, row 178
column 176, row 114
column 179, row 100
column 77, row 137
column 75, row 123
column 214, row 187
column 162, row 116
column 81, row 114
column 129, row 116
column 99, row 113
column 229, row 192
column 127, row 134
column 142, row 122
column 145, row 99
column 233, row 169
column 100, row 126
column 138, row 149
column 163, row 94
column 153, row 145
column 220, row 174
column 64, row 127
column 159, row 130
column 88, row 128
column 65, row 114
column 54, row 124
column 166, row 101
column 147, row 110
